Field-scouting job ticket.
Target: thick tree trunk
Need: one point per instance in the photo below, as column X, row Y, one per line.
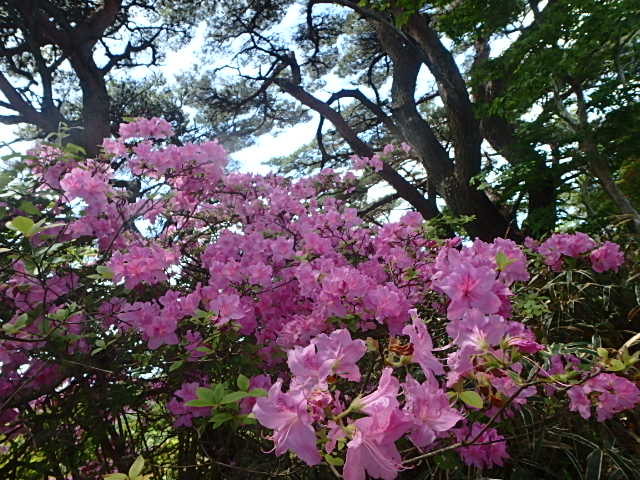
column 450, row 177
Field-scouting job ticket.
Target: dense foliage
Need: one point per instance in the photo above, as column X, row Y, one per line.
column 161, row 316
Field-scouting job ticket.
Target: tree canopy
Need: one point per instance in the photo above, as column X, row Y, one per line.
column 519, row 141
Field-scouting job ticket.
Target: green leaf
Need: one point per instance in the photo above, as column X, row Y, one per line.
column 471, row 398
column 23, row 225
column 242, row 382
column 136, row 468
column 502, row 261
column 115, row 476
column 75, row 149
column 615, row 365
column 335, row 461
column 234, row 397
column 176, row 365
column 29, row 208
column 13, row 328
column 5, row 178
column 220, row 417
column 104, row 272
column 206, row 394
column 219, row 391
column 258, row 392
column 200, row 402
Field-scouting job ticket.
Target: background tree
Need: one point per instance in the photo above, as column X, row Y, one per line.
column 520, row 139
column 447, row 95
column 57, row 59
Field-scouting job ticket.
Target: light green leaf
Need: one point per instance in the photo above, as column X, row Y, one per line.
column 13, row 328
column 615, row 365
column 176, row 365
column 220, row 417
column 258, row 392
column 335, row 461
column 206, row 394
column 29, row 208
column 502, row 261
column 471, row 398
column 200, row 402
column 115, row 476
column 104, row 272
column 21, row 224
column 136, row 468
column 243, row 383
column 234, row 397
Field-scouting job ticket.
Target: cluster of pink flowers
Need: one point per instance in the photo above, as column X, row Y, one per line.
column 375, row 162
column 146, row 128
column 604, row 258
column 141, row 264
column 339, row 315
column 609, row 393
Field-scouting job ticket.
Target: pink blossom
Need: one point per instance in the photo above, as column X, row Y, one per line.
column 228, row 307
column 309, row 368
column 493, row 452
column 141, row 264
column 372, row 449
column 571, row 245
column 607, row 257
column 115, row 147
column 286, row 414
column 422, row 345
column 159, row 326
column 610, row 393
column 146, row 128
column 469, row 287
column 384, row 396
column 92, row 187
column 342, row 352
column 428, row 408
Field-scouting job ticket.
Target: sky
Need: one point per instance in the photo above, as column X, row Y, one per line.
column 267, row 146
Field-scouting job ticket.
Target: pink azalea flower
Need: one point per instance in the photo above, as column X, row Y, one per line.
column 428, row 408
column 372, row 449
column 469, row 287
column 141, row 264
column 309, row 368
column 422, row 345
column 610, row 393
column 228, row 308
column 386, row 395
column 558, row 244
column 488, row 449
column 342, row 352
column 607, row 257
column 286, row 414
column 146, row 128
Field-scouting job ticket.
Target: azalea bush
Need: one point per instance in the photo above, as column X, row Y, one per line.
column 161, row 317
